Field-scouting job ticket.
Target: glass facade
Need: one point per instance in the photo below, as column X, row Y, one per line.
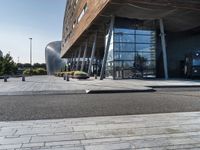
column 132, row 54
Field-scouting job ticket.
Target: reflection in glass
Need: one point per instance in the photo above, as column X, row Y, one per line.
column 196, row 62
column 133, row 54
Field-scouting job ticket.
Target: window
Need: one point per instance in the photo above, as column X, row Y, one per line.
column 77, row 1
column 134, row 53
column 85, row 8
column 74, row 24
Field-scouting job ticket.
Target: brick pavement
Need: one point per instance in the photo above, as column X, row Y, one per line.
column 56, row 85
column 142, row 132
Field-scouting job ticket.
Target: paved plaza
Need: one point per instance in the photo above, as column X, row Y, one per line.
column 52, row 85
column 119, row 129
column 142, row 132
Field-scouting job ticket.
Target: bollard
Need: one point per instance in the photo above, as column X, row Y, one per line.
column 23, row 78
column 67, row 77
column 95, row 76
column 5, row 78
column 64, row 77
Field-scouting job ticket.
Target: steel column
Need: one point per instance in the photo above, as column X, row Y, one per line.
column 79, row 56
column 107, row 48
column 92, row 54
column 84, row 55
column 72, row 62
column 164, row 50
column 74, row 65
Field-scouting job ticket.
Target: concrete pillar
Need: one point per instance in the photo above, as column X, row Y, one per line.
column 107, row 48
column 164, row 50
column 92, row 54
column 84, row 55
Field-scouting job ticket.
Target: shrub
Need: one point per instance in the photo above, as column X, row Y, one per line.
column 27, row 72
column 80, row 75
column 71, row 73
column 40, row 71
column 61, row 74
column 37, row 71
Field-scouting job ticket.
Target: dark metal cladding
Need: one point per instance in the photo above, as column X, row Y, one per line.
column 52, row 56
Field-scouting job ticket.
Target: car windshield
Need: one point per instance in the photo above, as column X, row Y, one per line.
column 196, row 62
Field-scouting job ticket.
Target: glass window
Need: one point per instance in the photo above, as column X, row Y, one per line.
column 124, row 47
column 133, row 53
column 128, row 64
column 85, row 8
column 145, row 32
column 120, row 37
column 145, row 47
column 145, row 39
column 123, row 56
column 124, row 31
column 196, row 62
column 118, row 64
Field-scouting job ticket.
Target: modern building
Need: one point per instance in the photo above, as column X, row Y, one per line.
column 130, row 38
column 53, row 60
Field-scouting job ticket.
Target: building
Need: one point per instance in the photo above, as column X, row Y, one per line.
column 54, row 62
column 130, row 38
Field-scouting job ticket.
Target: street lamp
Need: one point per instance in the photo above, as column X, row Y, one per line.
column 31, row 54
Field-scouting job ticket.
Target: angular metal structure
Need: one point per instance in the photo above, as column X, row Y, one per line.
column 54, row 62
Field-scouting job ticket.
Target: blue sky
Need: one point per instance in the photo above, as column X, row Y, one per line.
column 20, row 19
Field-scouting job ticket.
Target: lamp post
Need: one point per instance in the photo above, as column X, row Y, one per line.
column 31, row 54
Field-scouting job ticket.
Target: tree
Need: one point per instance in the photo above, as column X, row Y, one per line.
column 27, row 65
column 37, row 65
column 7, row 65
column 20, row 65
column 1, row 65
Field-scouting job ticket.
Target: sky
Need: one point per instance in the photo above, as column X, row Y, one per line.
column 20, row 20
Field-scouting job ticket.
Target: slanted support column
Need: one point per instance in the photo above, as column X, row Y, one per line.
column 107, row 48
column 164, row 50
column 72, row 63
column 75, row 62
column 92, row 54
column 84, row 55
column 79, row 56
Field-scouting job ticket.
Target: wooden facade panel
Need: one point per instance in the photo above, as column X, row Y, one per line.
column 72, row 29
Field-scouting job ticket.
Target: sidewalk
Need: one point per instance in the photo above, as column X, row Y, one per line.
column 147, row 132
column 56, row 85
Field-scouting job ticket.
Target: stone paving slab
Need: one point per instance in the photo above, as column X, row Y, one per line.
column 47, row 85
column 36, row 85
column 142, row 132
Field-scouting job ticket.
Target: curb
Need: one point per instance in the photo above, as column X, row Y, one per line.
column 175, row 86
column 119, row 91
column 31, row 93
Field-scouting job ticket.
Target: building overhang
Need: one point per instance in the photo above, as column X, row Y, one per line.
column 178, row 16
